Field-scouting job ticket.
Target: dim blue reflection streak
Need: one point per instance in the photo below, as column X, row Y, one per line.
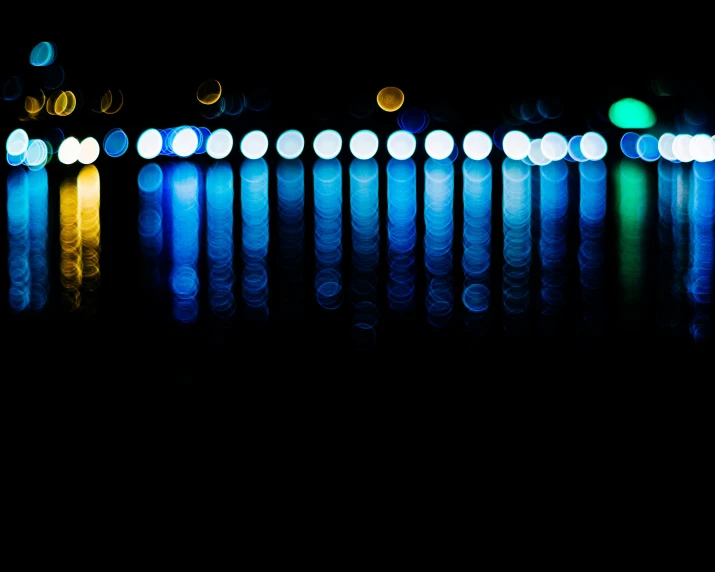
column 38, row 190
column 185, row 232
column 151, row 216
column 401, row 233
column 219, row 238
column 439, row 234
column 553, row 206
column 516, row 214
column 254, row 212
column 592, row 227
column 328, row 204
column 476, row 259
column 291, row 202
column 365, row 222
column 700, row 273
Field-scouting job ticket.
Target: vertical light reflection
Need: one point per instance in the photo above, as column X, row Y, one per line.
column 151, row 182
column 631, row 214
column 476, row 260
column 700, row 275
column 88, row 192
column 38, row 191
column 70, row 244
column 291, row 201
column 592, row 226
column 219, row 238
column 365, row 222
column 516, row 213
column 680, row 215
column 328, row 199
column 18, row 226
column 401, row 233
column 185, row 217
column 439, row 233
column 254, row 212
column 553, row 205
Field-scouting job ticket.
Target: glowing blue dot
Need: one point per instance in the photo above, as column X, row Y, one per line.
column 36, row 155
column 254, row 144
column 593, row 146
column 184, row 141
column 149, row 144
column 665, row 146
column 516, row 145
column 647, row 148
column 536, row 154
column 327, row 144
column 575, row 149
column 15, row 160
column 219, row 144
column 290, row 144
column 401, row 145
column 439, row 144
column 116, row 143
column 43, row 54
column 554, row 146
column 17, row 142
column 477, row 145
column 629, row 145
column 364, row 144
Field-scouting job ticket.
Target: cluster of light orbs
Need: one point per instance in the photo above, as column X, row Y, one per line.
column 683, row 148
column 554, row 147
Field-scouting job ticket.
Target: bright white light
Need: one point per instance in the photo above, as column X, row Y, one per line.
column 681, row 148
column 665, row 146
column 254, row 144
column 17, row 142
column 477, row 145
column 185, row 142
column 439, row 144
column 574, row 149
column 593, row 146
column 401, row 145
column 36, row 155
column 327, row 144
column 220, row 144
column 364, row 144
column 149, row 144
column 702, row 148
column 516, row 145
column 69, row 150
column 554, row 146
column 536, row 154
column 88, row 151
column 290, row 144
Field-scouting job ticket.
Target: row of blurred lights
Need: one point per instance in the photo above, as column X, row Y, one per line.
column 675, row 148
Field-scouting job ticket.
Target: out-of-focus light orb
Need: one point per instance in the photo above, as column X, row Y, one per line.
column 219, row 144
column 328, row 144
column 516, row 145
column 116, row 143
column 364, row 144
column 681, row 148
column 631, row 113
column 15, row 160
column 439, row 144
column 702, row 148
column 36, row 155
column 477, row 145
column 629, row 144
column 594, row 146
column 390, row 98
column 209, row 92
column 665, row 146
column 184, row 141
column 536, row 153
column 554, row 146
column 17, row 142
column 290, row 144
column 68, row 153
column 149, row 144
column 254, row 144
column 401, row 145
column 43, row 54
column 88, row 151
column 647, row 148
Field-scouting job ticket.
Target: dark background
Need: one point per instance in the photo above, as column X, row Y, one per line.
column 310, row 86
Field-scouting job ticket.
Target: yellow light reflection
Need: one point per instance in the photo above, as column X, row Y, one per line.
column 88, row 191
column 70, row 243
column 390, row 98
column 34, row 105
column 115, row 103
column 71, row 104
column 106, row 102
column 209, row 92
column 57, row 103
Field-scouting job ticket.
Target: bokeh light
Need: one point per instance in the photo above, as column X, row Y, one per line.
column 209, row 92
column 401, row 145
column 413, row 120
column 629, row 144
column 665, row 146
column 702, row 148
column 681, row 148
column 254, row 144
column 390, row 98
column 647, row 148
column 516, row 145
column 43, row 54
column 219, row 144
column 110, row 103
column 477, row 145
column 536, row 154
column 149, row 144
column 17, row 142
column 593, row 146
column 36, row 154
column 327, row 144
column 290, row 144
column 116, row 143
column 554, row 146
column 12, row 88
column 439, row 144
column 69, row 150
column 364, row 144
column 184, row 141
column 631, row 113
column 88, row 151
